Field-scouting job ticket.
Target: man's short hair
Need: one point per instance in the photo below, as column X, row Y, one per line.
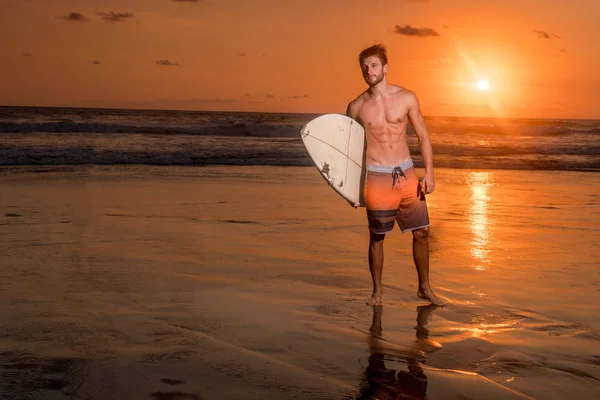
column 375, row 50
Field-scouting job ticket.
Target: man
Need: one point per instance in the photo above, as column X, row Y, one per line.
column 392, row 191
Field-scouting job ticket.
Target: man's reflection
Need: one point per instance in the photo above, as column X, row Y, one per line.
column 383, row 383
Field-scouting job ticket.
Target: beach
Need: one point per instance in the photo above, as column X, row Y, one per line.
column 249, row 282
column 176, row 181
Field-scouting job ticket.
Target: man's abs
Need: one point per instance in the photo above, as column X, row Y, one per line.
column 385, row 123
column 386, row 146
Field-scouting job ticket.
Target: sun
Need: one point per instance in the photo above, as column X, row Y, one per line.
column 483, row 85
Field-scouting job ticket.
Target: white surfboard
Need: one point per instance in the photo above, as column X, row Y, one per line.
column 336, row 145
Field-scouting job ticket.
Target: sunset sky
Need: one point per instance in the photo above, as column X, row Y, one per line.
column 540, row 58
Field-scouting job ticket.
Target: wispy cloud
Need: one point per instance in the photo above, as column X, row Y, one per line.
column 545, row 35
column 74, row 16
column 166, row 63
column 408, row 30
column 115, row 16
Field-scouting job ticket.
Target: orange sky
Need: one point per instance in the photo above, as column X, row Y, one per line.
column 541, row 57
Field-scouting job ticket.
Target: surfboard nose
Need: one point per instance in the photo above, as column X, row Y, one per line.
column 336, row 146
column 305, row 131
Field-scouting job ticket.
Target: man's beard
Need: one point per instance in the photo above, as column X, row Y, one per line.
column 378, row 79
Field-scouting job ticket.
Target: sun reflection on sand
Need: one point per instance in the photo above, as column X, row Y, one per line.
column 484, row 329
column 478, row 217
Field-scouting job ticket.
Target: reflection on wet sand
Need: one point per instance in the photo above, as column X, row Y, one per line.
column 478, row 218
column 381, row 382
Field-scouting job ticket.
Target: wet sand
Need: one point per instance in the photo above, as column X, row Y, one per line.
column 249, row 283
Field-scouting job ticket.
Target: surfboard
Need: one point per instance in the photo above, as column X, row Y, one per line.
column 336, row 146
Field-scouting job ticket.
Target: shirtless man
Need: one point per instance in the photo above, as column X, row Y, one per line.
column 392, row 190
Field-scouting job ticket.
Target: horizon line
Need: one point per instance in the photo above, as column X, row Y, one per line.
column 290, row 112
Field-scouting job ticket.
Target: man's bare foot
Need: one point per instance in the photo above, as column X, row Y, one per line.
column 427, row 294
column 375, row 299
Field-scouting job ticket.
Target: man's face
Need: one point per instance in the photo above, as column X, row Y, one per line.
column 373, row 71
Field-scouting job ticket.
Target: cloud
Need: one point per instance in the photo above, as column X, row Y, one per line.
column 269, row 96
column 408, row 30
column 545, row 35
column 264, row 54
column 96, row 62
column 563, row 51
column 166, row 63
column 247, row 94
column 27, row 55
column 115, row 16
column 304, row 96
column 74, row 16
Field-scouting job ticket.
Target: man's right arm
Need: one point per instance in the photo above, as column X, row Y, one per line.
column 349, row 110
column 353, row 109
column 352, row 112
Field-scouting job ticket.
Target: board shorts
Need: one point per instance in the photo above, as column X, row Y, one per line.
column 394, row 194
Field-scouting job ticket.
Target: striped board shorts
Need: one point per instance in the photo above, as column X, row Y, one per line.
column 393, row 193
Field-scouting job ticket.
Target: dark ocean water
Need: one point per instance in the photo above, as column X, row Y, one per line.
column 76, row 136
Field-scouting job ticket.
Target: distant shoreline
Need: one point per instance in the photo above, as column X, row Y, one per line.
column 142, row 109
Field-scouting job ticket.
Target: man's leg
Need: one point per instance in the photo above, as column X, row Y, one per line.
column 376, row 266
column 421, row 258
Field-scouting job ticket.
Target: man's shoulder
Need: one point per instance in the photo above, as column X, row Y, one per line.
column 355, row 105
column 402, row 92
column 405, row 96
column 360, row 98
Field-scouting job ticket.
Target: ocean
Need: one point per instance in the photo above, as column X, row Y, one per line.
column 82, row 136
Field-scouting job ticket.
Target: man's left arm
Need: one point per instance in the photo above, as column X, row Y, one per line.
column 418, row 122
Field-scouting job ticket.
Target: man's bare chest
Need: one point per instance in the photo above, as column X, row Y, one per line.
column 381, row 115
